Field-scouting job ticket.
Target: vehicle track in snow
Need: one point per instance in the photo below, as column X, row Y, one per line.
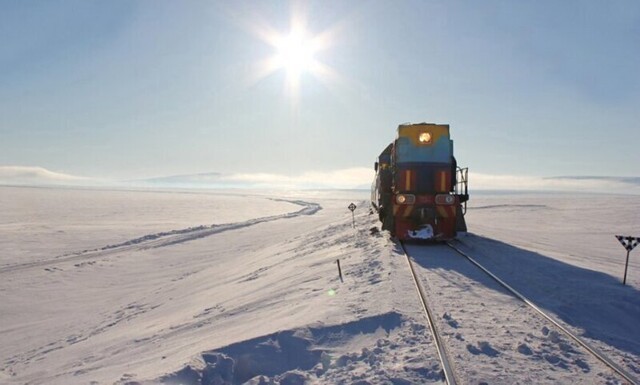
column 499, row 327
column 166, row 238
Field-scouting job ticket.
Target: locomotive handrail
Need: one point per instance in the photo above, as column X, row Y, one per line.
column 463, row 174
column 461, row 187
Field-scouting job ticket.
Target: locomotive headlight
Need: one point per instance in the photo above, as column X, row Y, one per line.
column 405, row 199
column 445, row 199
column 425, row 138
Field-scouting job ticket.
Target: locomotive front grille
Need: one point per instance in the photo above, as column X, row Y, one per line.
column 424, row 214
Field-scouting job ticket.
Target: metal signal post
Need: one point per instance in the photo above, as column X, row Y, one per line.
column 629, row 243
column 626, row 265
column 352, row 207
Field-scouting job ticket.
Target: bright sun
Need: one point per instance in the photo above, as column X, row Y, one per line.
column 295, row 54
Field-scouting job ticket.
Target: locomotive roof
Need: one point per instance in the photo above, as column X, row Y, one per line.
column 413, row 126
column 423, row 142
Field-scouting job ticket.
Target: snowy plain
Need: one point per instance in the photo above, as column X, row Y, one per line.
column 210, row 287
column 46, row 221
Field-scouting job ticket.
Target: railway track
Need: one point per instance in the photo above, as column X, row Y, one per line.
column 443, row 355
column 448, row 367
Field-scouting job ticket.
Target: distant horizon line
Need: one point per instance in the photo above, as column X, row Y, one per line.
column 168, row 189
column 352, row 179
column 217, row 173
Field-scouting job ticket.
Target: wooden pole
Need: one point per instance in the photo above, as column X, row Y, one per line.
column 624, row 280
column 339, row 270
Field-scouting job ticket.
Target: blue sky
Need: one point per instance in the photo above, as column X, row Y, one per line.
column 126, row 89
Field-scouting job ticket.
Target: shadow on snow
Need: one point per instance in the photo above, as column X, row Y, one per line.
column 280, row 355
column 594, row 302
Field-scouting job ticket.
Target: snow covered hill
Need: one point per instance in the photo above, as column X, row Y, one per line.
column 256, row 298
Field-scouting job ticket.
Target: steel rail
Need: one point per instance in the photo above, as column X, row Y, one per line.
column 442, row 353
column 615, row 367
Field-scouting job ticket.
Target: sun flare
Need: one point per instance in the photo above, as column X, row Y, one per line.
column 295, row 53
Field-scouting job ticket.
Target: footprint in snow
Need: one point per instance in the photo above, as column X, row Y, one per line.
column 482, row 348
column 525, row 349
column 556, row 360
column 583, row 365
column 452, row 322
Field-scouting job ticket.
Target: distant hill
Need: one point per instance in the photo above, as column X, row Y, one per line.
column 206, row 180
column 352, row 178
column 635, row 181
column 185, row 179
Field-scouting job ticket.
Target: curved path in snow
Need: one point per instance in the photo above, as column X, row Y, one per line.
column 168, row 238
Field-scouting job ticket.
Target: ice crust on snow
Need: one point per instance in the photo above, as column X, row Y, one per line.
column 246, row 299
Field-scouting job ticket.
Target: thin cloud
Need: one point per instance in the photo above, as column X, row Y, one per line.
column 29, row 175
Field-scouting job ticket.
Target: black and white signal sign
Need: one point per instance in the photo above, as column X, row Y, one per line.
column 628, row 242
column 352, row 207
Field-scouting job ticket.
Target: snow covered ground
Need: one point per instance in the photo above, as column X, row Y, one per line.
column 203, row 288
column 45, row 222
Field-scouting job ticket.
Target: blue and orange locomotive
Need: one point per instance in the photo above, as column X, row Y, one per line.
column 419, row 191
